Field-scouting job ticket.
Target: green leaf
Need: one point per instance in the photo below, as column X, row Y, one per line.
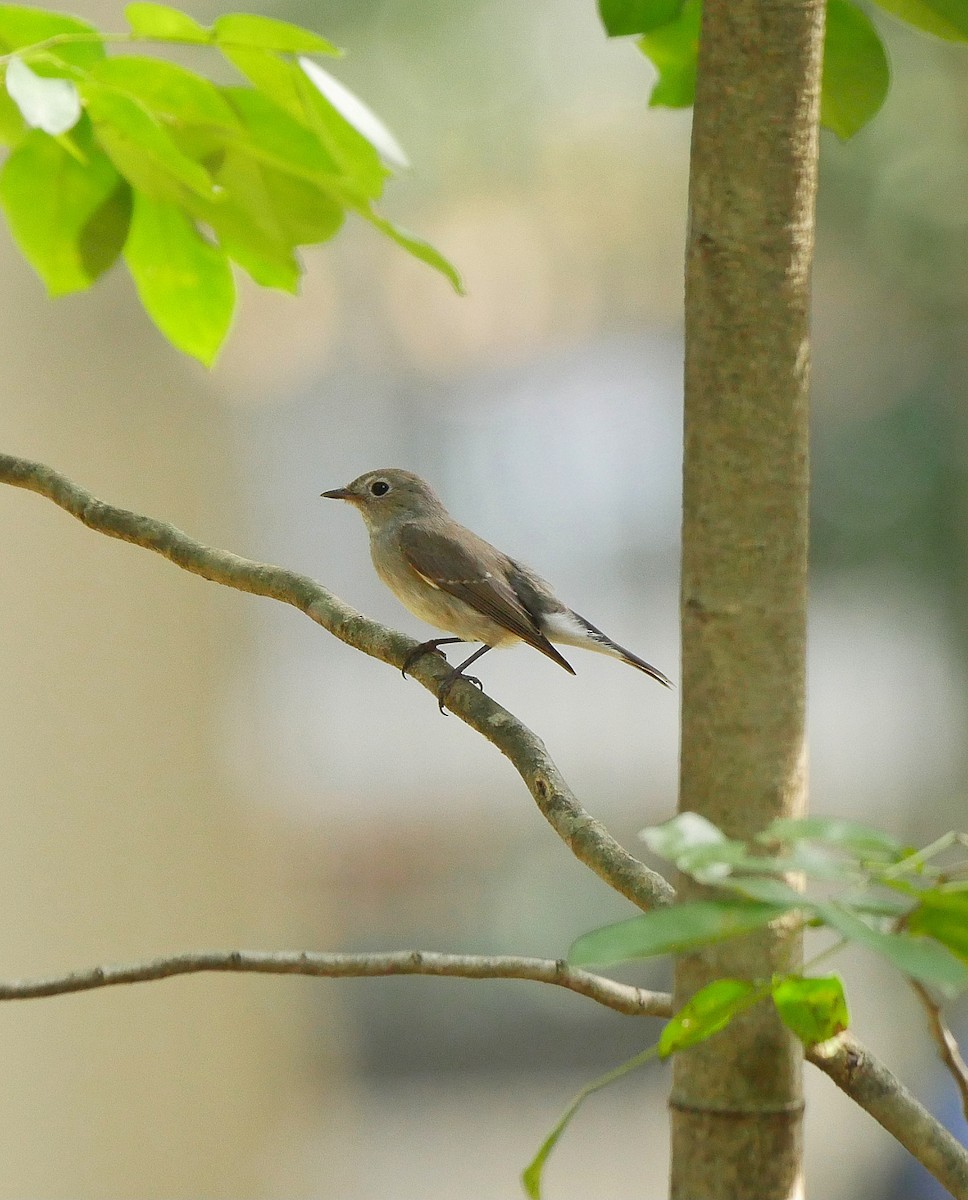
column 863, row 841
column 917, row 957
column 12, row 125
column 191, row 110
column 52, row 105
column 356, row 155
column 277, row 139
column 273, row 76
column 624, row 17
column 856, row 76
column 169, row 92
column 767, row 891
column 266, row 33
column 160, row 21
column 355, row 113
column 185, row 283
column 815, row 862
column 263, row 214
column 269, row 264
column 103, row 235
column 814, row 1008
column 877, row 906
column 819, row 849
column 531, row 1178
column 305, row 215
column 710, row 1010
column 61, row 213
column 685, row 831
column 281, row 142
column 417, row 247
column 943, row 915
column 946, row 19
column 697, row 847
column 21, row 27
column 670, row 930
column 141, row 148
column 673, row 49
column 286, row 86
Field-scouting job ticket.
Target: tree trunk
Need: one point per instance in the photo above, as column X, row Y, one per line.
column 736, row 1100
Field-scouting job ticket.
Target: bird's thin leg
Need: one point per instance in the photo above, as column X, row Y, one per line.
column 448, row 681
column 431, row 647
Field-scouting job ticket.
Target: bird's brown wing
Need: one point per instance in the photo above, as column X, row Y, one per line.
column 473, row 571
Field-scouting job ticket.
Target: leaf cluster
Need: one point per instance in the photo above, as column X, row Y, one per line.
column 136, row 156
column 856, row 74
column 909, row 906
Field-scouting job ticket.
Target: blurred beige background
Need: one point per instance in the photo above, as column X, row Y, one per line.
column 188, row 767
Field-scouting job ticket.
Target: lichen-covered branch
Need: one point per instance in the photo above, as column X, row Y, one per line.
column 871, row 1085
column 587, row 838
column 622, row 997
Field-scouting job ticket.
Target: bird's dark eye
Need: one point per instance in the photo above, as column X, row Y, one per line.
column 379, row 487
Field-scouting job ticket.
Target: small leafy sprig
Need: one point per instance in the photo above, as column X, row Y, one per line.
column 910, row 906
column 133, row 155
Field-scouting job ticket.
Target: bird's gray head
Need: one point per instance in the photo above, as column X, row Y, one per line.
column 388, row 495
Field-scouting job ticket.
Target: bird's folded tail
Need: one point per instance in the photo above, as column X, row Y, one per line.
column 570, row 629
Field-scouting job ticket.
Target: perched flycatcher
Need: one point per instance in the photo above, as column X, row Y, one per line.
column 455, row 581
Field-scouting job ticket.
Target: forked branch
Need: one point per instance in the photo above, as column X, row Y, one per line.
column 852, row 1067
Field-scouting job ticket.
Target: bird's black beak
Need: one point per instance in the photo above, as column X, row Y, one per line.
column 337, row 494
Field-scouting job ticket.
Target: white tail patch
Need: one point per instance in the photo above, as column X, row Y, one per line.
column 568, row 629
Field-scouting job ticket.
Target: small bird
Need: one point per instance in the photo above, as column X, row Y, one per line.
column 455, row 581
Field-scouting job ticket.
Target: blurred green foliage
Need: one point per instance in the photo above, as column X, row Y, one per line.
column 184, row 176
column 856, row 75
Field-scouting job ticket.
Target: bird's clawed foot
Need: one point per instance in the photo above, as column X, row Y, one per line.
column 431, row 647
column 448, row 682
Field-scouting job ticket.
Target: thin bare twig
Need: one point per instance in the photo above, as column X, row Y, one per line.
column 844, row 1059
column 587, row 838
column 945, row 1041
column 622, row 997
column 877, row 1090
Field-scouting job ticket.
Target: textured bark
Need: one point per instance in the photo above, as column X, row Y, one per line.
column 736, row 1101
column 877, row 1090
